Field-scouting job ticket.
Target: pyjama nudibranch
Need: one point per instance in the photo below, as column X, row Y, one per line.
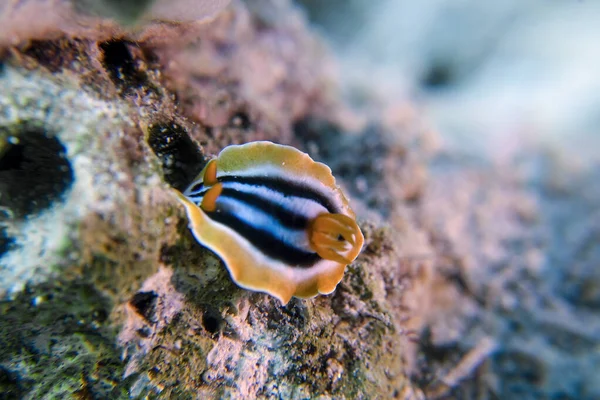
column 276, row 218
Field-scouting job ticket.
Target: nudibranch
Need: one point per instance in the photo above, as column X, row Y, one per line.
column 276, row 218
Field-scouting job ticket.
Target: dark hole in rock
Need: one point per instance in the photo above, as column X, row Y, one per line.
column 144, row 332
column 34, row 171
column 53, row 54
column 13, row 157
column 240, row 120
column 99, row 315
column 6, row 242
column 439, row 75
column 84, row 392
column 10, row 386
column 144, row 303
column 167, row 254
column 310, row 349
column 181, row 157
column 212, row 321
column 153, row 373
column 120, row 64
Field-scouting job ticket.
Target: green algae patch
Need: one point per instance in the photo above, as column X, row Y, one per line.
column 55, row 342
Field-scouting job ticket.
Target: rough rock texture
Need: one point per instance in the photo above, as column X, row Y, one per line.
column 105, row 293
column 522, row 255
column 108, row 291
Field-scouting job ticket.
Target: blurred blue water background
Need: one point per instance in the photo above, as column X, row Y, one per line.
column 494, row 76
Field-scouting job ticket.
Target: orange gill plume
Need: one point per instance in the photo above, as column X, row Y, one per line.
column 335, row 237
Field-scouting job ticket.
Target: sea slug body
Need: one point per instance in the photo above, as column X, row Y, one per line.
column 276, row 218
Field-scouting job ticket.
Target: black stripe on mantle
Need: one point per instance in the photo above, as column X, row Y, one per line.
column 285, row 187
column 265, row 242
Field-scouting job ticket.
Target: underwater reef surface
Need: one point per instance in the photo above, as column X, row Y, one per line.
column 476, row 281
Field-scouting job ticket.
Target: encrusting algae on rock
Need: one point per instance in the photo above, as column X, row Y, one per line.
column 276, row 218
